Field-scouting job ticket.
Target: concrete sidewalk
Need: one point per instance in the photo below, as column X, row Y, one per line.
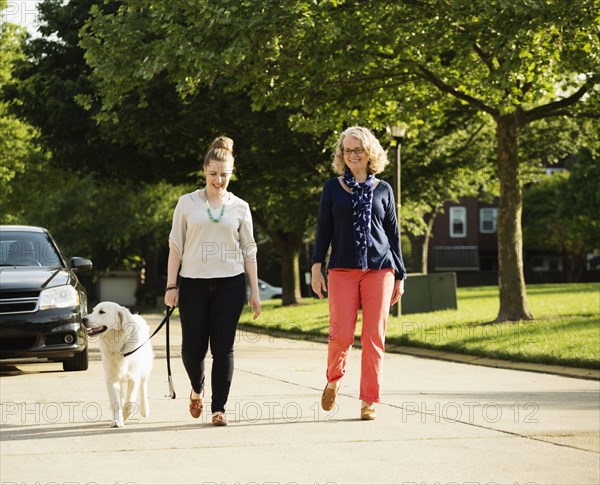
column 440, row 422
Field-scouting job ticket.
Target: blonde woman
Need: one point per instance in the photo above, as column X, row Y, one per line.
column 357, row 218
column 212, row 248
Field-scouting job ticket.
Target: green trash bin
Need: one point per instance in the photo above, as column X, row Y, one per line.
column 429, row 292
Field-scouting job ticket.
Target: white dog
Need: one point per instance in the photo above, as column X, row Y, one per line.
column 126, row 377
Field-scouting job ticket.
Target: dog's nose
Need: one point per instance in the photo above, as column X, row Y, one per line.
column 84, row 320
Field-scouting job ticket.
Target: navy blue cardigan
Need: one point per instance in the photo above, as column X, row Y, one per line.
column 334, row 227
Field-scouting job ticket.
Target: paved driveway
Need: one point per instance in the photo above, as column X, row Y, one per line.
column 441, row 422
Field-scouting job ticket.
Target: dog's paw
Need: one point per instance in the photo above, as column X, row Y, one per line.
column 128, row 411
column 145, row 409
column 117, row 424
column 131, row 410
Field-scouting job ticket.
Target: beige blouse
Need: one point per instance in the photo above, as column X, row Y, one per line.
column 210, row 249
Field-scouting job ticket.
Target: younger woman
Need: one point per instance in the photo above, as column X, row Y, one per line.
column 212, row 250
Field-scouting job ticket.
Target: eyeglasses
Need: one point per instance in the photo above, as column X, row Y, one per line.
column 356, row 151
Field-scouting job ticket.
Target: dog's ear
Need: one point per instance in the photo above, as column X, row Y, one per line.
column 121, row 318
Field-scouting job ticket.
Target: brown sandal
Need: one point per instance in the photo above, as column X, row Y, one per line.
column 219, row 419
column 368, row 413
column 328, row 398
column 195, row 406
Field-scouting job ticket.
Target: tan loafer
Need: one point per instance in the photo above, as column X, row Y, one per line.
column 219, row 419
column 328, row 398
column 195, row 407
column 368, row 413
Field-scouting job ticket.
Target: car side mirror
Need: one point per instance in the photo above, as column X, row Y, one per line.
column 80, row 264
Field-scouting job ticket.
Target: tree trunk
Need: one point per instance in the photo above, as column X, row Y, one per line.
column 289, row 247
column 420, row 244
column 427, row 239
column 513, row 297
column 417, row 244
column 573, row 266
column 150, row 285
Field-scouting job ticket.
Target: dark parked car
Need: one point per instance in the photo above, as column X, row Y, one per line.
column 41, row 300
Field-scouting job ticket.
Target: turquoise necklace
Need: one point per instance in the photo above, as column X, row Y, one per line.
column 213, row 218
column 210, row 214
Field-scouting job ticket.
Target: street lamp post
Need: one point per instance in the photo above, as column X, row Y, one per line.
column 398, row 132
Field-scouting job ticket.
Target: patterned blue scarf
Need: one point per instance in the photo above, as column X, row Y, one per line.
column 362, row 203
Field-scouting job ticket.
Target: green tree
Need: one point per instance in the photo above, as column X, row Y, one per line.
column 377, row 62
column 17, row 138
column 119, row 226
column 96, row 191
column 452, row 156
column 445, row 158
column 561, row 213
column 53, row 77
column 156, row 136
column 288, row 167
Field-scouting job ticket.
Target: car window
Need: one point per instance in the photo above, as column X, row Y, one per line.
column 27, row 249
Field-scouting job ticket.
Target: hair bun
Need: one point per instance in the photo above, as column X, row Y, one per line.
column 222, row 142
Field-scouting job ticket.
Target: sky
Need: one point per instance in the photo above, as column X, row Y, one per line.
column 21, row 12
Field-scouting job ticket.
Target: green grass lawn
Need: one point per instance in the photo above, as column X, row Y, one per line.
column 566, row 329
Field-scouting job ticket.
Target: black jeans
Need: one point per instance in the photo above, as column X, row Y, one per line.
column 210, row 310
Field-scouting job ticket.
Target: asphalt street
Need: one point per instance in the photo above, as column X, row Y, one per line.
column 440, row 422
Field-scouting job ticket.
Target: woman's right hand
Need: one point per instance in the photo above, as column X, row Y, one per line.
column 172, row 297
column 317, row 280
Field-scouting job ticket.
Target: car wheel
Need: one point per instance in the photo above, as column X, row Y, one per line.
column 78, row 362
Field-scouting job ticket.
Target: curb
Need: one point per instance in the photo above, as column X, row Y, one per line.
column 559, row 370
column 574, row 372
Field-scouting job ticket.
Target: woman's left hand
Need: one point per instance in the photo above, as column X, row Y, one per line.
column 255, row 305
column 398, row 291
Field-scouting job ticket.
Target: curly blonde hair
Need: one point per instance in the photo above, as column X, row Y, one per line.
column 377, row 156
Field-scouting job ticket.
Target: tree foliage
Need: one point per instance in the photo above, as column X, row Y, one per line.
column 351, row 59
column 561, row 212
column 17, row 138
column 98, row 195
column 344, row 62
column 53, row 80
column 153, row 136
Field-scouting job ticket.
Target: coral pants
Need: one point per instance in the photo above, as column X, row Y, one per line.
column 350, row 289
